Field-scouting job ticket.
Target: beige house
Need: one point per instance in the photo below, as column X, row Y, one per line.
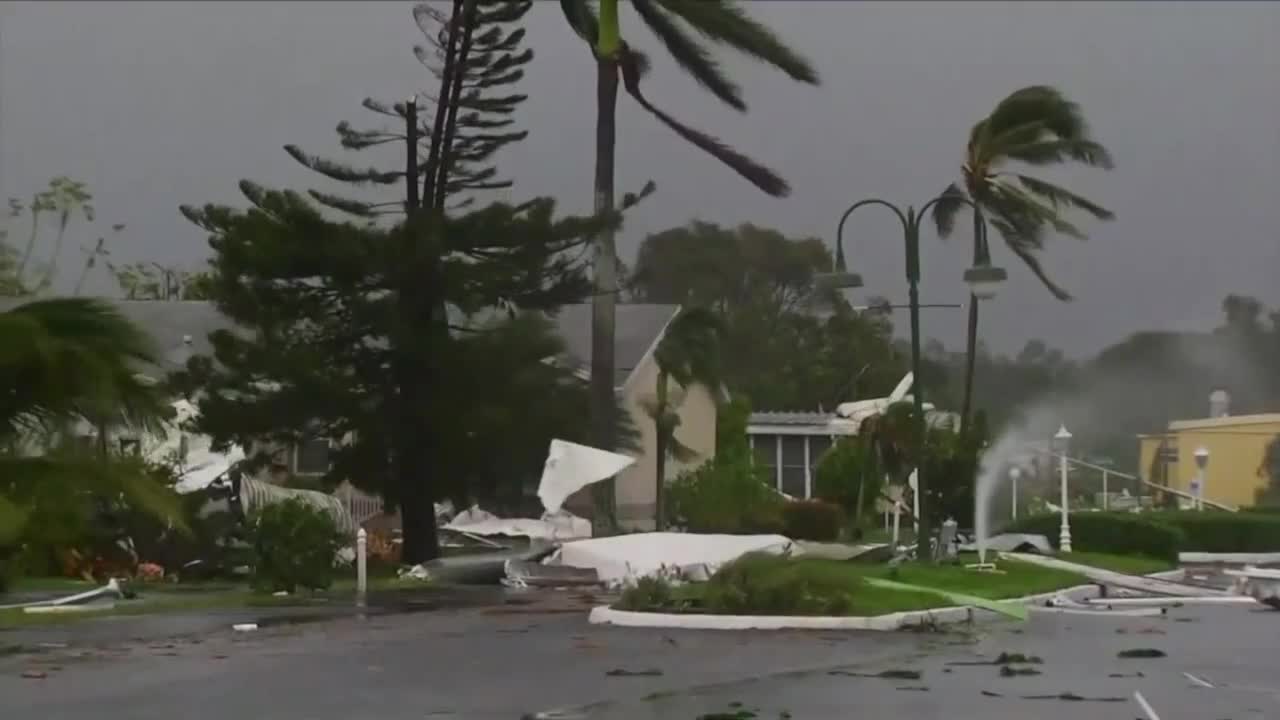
column 181, row 329
column 639, row 330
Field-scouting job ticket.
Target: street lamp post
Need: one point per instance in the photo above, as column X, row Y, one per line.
column 1015, row 472
column 1202, row 462
column 1064, row 532
column 983, row 280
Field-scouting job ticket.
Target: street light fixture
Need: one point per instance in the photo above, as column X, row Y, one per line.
column 982, row 278
column 1202, row 462
column 1015, row 473
column 1063, row 439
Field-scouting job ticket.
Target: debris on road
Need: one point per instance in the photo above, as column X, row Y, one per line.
column 1141, row 653
column 622, row 672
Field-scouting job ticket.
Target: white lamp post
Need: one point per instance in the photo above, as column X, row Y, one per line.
column 1063, row 439
column 1015, row 472
column 1202, row 462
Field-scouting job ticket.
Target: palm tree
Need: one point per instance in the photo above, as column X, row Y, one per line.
column 64, row 361
column 1036, row 126
column 688, row 354
column 718, row 21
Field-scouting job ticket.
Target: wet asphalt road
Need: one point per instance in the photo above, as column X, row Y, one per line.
column 508, row 662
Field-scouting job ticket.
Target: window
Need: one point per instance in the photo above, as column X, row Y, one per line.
column 818, row 444
column 795, row 471
column 766, row 453
column 311, row 457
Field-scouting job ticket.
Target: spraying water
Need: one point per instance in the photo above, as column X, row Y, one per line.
column 991, row 477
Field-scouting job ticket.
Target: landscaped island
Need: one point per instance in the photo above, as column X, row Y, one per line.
column 762, row 584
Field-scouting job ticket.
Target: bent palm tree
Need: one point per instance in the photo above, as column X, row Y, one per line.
column 64, row 361
column 1036, row 126
column 688, row 354
column 718, row 21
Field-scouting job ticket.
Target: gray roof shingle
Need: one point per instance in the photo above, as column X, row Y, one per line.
column 638, row 326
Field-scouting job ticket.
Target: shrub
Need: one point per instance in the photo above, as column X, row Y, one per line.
column 1114, row 533
column 764, row 584
column 726, row 494
column 649, row 594
column 12, row 519
column 812, row 520
column 294, row 545
column 1222, row 531
column 848, row 475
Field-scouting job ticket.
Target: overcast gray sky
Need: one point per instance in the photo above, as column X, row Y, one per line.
column 155, row 104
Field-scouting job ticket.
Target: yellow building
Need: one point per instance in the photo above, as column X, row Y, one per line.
column 1235, row 445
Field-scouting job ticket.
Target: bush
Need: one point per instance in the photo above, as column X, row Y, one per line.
column 726, row 494
column 649, row 594
column 764, row 584
column 812, row 520
column 848, row 473
column 1113, row 533
column 1223, row 532
column 294, row 545
column 12, row 519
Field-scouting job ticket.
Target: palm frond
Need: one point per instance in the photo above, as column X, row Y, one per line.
column 1053, row 151
column 70, row 358
column 760, row 176
column 1063, row 198
column 1039, row 103
column 1025, row 211
column 946, row 209
column 59, row 478
column 679, row 451
column 1027, row 255
column 582, row 19
column 725, row 22
column 689, row 54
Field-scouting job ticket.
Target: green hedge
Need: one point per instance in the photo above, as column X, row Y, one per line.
column 1223, row 532
column 1113, row 533
column 1162, row 534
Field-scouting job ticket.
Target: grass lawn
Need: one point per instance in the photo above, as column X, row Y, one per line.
column 1131, row 564
column 818, row 586
column 187, row 597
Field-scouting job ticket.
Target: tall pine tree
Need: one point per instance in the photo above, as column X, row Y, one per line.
column 349, row 333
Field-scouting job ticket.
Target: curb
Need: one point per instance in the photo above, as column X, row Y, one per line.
column 605, row 615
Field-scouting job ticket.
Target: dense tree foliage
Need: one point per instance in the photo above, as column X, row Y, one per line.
column 786, row 346
column 380, row 338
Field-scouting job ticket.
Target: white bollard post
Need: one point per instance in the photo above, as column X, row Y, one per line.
column 362, row 577
column 897, row 521
column 1106, row 499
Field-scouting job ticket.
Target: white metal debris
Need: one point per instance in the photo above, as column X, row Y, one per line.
column 571, row 467
column 626, row 558
column 1260, row 584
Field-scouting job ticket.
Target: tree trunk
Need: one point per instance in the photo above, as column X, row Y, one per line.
column 660, row 448
column 980, row 255
column 604, row 276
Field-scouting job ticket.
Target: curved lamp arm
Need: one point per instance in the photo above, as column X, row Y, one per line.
column 906, row 225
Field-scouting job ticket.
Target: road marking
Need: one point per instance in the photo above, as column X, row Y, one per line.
column 1198, row 681
column 1146, row 706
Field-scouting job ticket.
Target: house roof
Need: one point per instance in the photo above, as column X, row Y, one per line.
column 170, row 323
column 1226, row 421
column 791, row 418
column 639, row 326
